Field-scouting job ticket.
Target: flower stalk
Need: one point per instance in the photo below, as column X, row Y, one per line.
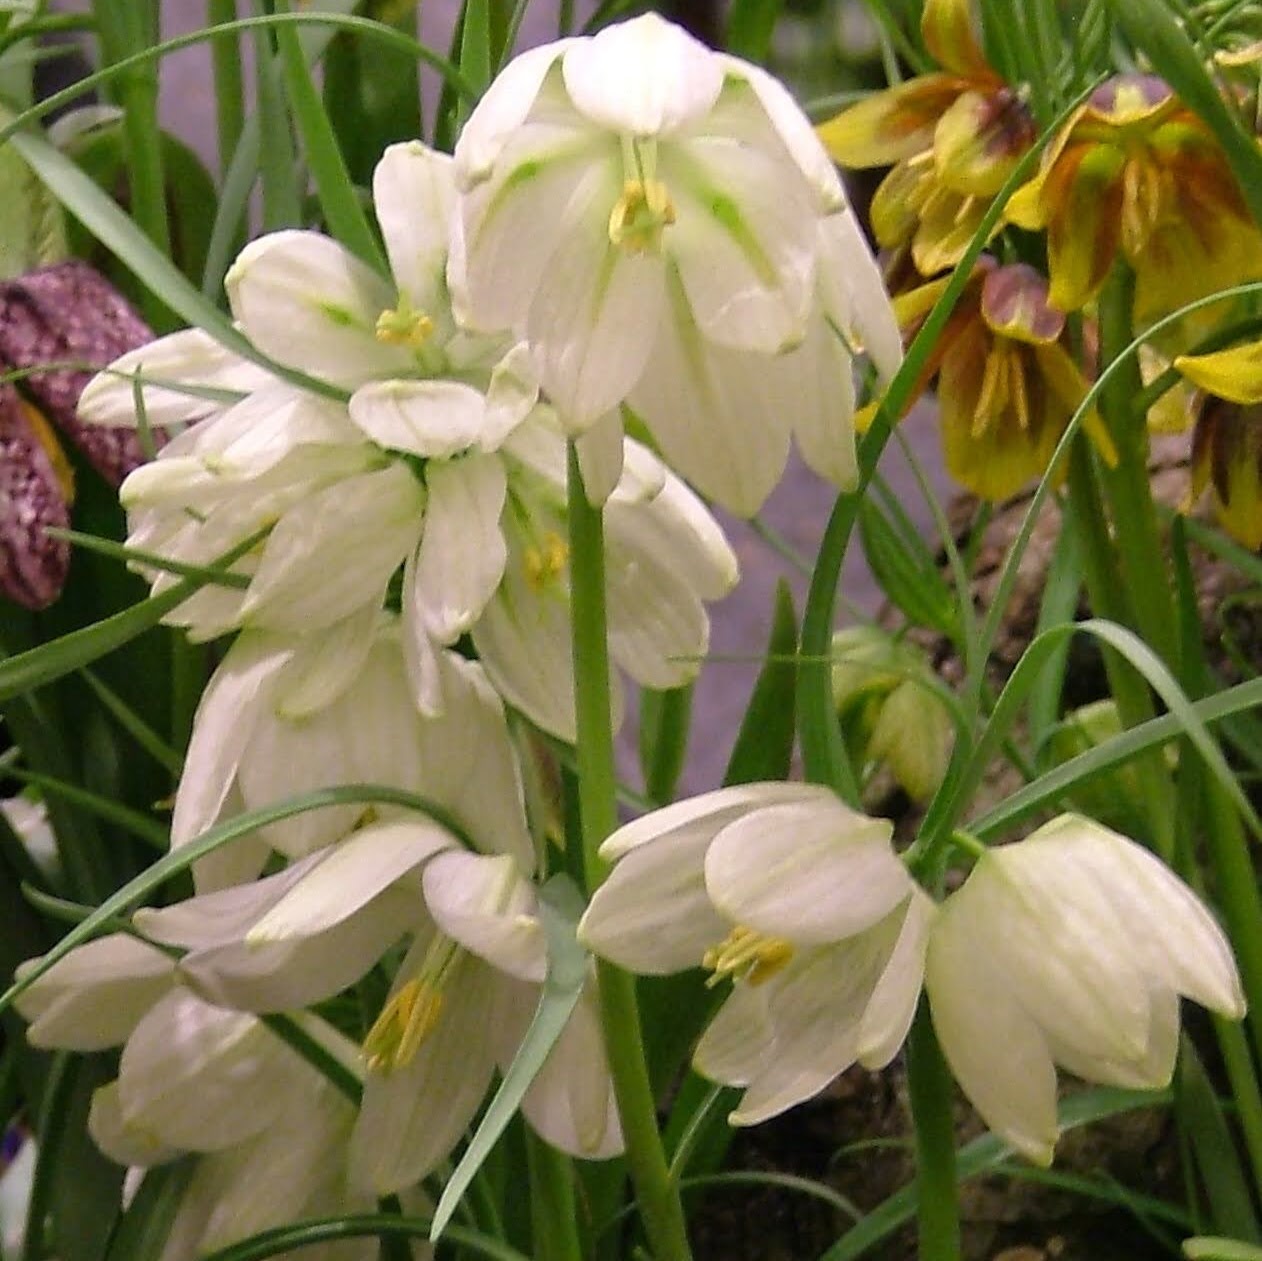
column 659, row 1201
column 932, row 1091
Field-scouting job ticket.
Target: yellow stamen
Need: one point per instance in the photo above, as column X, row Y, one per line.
column 405, row 1022
column 402, row 326
column 746, row 955
column 639, row 216
column 546, row 561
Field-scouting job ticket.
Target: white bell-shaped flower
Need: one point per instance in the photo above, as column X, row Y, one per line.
column 662, row 226
column 796, row 898
column 1068, row 948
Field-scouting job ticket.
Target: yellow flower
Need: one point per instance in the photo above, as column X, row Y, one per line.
column 1007, row 387
column 1227, row 441
column 1136, row 172
column 952, row 137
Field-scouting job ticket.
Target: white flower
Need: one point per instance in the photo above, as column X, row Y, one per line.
column 283, row 716
column 271, row 1130
column 461, row 1000
column 662, row 226
column 801, row 902
column 1072, row 948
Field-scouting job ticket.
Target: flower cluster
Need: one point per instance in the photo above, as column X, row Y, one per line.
column 1068, row 948
column 373, row 484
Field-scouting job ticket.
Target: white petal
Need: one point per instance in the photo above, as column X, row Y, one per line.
column 739, row 1041
column 124, row 1143
column 414, row 195
column 95, row 996
column 309, row 303
column 501, row 112
column 707, row 814
column 222, row 727
column 484, row 903
column 996, row 1051
column 819, row 376
column 889, row 1012
column 794, row 130
column 809, row 872
column 201, row 1078
column 745, row 243
column 299, row 972
column 854, row 294
column 462, row 554
column 324, row 664
column 434, row 419
column 336, row 551
column 352, row 874
column 600, row 453
column 511, row 227
column 414, row 1115
column 718, row 416
column 510, row 397
column 1150, row 1071
column 645, row 77
column 591, row 317
column 652, row 915
column 192, row 358
column 673, row 523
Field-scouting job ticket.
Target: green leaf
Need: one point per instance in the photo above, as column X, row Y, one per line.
column 343, row 213
column 1058, row 606
column 149, row 830
column 1210, row 1248
column 560, row 907
column 764, row 744
column 142, row 1230
column 984, row 1155
column 749, row 28
column 910, row 579
column 1213, row 1148
column 665, row 718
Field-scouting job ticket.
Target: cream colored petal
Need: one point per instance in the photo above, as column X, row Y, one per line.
column 123, row 1143
column 600, row 454
column 432, row 419
column 414, row 195
column 646, row 77
column 414, row 1115
column 306, row 301
column 888, row 1015
column 808, row 872
column 95, row 996
column 740, row 1041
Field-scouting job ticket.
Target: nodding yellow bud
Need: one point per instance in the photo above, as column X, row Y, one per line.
column 746, row 955
column 402, row 326
column 546, row 561
column 405, row 1022
column 639, row 215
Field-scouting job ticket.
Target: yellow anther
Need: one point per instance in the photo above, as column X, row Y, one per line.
column 639, row 215
column 746, row 955
column 546, row 560
column 405, row 1022
column 402, row 326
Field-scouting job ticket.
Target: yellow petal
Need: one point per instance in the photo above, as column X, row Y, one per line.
column 1085, row 189
column 948, row 223
column 890, row 125
column 947, row 27
column 1234, row 374
column 1014, row 303
column 896, row 204
column 979, row 139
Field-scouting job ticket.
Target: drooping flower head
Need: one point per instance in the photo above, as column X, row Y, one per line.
column 1136, row 174
column 660, row 224
column 952, row 139
column 1069, row 948
column 797, row 900
column 1227, row 438
column 1007, row 383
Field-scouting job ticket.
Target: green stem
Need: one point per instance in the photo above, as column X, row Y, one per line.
column 931, row 1089
column 658, row 1198
column 1244, row 1090
column 225, row 53
column 554, row 1216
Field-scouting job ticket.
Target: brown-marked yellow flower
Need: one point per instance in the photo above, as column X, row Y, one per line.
column 1227, row 441
column 1136, row 173
column 951, row 137
column 1007, row 386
